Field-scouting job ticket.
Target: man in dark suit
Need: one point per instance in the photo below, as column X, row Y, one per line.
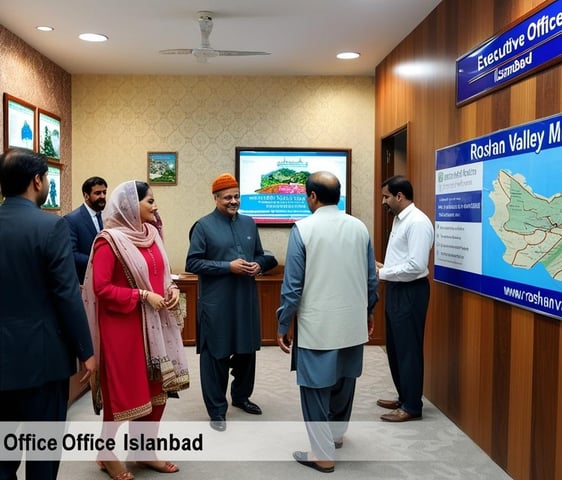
column 85, row 222
column 43, row 325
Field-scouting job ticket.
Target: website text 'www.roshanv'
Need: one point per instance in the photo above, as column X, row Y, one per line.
column 534, row 298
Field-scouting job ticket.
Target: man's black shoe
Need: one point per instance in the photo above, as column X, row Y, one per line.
column 248, row 407
column 302, row 458
column 218, row 423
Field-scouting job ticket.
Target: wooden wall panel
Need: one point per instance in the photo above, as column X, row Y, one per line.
column 522, row 111
column 558, row 422
column 493, row 368
column 469, row 345
column 439, row 363
column 545, row 389
column 548, row 93
column 482, row 416
column 500, row 386
column 521, row 387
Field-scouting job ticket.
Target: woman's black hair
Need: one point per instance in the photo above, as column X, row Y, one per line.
column 142, row 189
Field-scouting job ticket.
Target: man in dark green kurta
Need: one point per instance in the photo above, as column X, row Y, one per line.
column 226, row 252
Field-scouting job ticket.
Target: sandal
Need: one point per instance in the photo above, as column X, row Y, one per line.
column 162, row 467
column 124, row 475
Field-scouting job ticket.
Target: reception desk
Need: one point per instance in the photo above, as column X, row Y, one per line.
column 269, row 292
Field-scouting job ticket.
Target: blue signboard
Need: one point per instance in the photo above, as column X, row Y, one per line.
column 498, row 216
column 533, row 43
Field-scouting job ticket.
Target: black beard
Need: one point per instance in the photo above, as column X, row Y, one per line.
column 97, row 207
column 42, row 199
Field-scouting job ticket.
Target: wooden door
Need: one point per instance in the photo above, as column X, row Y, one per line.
column 393, row 162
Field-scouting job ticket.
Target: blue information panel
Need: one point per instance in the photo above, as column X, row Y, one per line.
column 533, row 43
column 498, row 215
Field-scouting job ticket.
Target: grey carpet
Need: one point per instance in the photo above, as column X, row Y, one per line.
column 256, row 447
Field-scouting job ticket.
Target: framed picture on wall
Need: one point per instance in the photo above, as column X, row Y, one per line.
column 162, row 168
column 19, row 123
column 49, row 134
column 53, row 197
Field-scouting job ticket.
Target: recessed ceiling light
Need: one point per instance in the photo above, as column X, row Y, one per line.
column 348, row 55
column 44, row 28
column 92, row 37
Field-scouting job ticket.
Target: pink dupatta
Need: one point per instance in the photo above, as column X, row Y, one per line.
column 125, row 233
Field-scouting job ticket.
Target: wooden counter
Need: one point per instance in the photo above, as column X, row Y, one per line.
column 269, row 292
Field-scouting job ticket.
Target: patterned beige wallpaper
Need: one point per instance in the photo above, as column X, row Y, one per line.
column 118, row 119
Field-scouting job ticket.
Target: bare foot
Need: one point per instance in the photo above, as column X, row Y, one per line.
column 161, row 466
column 115, row 469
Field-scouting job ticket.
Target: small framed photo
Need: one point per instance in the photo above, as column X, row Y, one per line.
column 53, row 197
column 49, row 134
column 19, row 123
column 163, row 168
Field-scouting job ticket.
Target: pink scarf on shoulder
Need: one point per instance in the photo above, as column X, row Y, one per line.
column 125, row 233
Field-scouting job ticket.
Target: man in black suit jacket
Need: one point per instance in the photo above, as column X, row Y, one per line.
column 84, row 224
column 43, row 325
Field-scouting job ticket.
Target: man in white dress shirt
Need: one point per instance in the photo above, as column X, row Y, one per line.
column 405, row 271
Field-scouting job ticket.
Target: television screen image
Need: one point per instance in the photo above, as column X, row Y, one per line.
column 272, row 181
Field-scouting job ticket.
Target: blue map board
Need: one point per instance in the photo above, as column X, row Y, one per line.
column 498, row 215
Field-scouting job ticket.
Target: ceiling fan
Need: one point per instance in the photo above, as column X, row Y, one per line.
column 205, row 51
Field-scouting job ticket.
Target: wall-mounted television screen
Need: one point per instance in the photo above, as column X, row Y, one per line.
column 272, row 181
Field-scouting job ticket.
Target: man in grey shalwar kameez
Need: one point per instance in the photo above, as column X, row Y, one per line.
column 226, row 252
column 330, row 285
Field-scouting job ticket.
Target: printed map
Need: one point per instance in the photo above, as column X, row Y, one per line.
column 528, row 224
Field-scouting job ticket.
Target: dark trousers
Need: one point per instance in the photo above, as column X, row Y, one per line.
column 405, row 311
column 214, row 379
column 326, row 412
column 45, row 403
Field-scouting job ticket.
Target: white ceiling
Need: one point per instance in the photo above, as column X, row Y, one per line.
column 303, row 36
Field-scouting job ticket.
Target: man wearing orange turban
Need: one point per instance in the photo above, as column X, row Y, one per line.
column 225, row 251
